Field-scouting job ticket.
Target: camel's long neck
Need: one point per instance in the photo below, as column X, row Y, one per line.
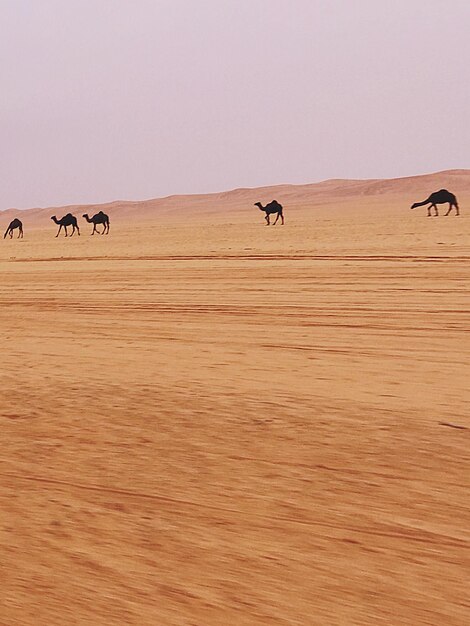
column 88, row 219
column 55, row 220
column 427, row 201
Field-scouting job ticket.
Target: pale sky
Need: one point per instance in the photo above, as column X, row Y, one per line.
column 132, row 99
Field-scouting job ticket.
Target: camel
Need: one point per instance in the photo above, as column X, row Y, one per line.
column 99, row 218
column 67, row 220
column 269, row 209
column 439, row 197
column 14, row 224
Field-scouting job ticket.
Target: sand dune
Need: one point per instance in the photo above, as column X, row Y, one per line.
column 314, row 200
column 207, row 421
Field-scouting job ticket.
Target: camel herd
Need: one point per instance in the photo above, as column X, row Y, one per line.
column 438, row 197
column 68, row 220
column 273, row 208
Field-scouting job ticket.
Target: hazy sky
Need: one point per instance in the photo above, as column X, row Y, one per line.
column 108, row 99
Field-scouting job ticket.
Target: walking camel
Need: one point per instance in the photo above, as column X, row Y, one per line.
column 67, row 220
column 98, row 218
column 439, row 197
column 271, row 208
column 13, row 225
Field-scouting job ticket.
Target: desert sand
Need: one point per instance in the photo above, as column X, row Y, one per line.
column 206, row 421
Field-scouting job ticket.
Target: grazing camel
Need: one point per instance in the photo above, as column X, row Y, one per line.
column 67, row 220
column 269, row 209
column 439, row 197
column 14, row 224
column 98, row 218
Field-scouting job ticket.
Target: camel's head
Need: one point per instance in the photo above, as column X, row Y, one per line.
column 413, row 206
column 259, row 205
column 85, row 215
column 53, row 218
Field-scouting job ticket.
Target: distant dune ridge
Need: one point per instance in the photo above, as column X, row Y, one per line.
column 315, row 199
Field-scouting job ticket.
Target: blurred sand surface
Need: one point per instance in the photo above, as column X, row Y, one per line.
column 206, row 421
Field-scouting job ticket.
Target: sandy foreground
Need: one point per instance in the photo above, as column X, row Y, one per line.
column 223, row 423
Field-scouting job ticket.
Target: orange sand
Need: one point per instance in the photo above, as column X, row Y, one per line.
column 206, row 421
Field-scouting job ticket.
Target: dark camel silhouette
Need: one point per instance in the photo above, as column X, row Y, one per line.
column 439, row 197
column 67, row 220
column 269, row 209
column 99, row 218
column 14, row 224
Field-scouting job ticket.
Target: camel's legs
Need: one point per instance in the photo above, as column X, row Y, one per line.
column 267, row 219
column 20, row 233
column 94, row 228
column 60, row 228
column 436, row 211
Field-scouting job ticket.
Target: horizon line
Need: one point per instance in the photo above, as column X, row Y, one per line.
column 234, row 189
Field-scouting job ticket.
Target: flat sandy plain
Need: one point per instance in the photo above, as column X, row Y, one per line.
column 205, row 421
